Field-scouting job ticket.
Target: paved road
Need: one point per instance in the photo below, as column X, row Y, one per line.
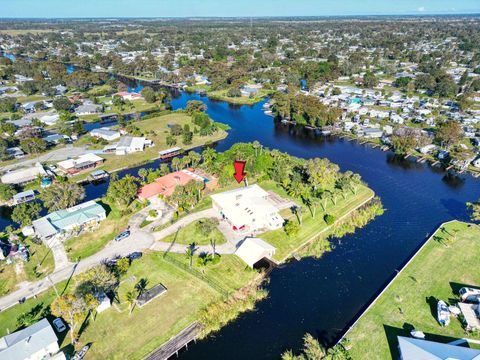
column 63, row 153
column 139, row 240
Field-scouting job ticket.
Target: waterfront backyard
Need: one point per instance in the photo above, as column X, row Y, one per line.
column 447, row 262
column 146, row 328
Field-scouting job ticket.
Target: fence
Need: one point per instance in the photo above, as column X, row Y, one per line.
column 212, row 283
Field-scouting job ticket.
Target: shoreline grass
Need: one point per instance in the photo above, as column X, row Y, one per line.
column 446, row 262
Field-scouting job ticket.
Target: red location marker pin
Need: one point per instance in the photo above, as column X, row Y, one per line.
column 239, row 174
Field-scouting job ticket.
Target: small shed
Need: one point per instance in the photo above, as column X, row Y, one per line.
column 150, row 294
column 252, row 250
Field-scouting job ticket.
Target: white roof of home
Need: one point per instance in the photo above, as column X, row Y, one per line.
column 23, row 175
column 23, row 194
column 24, row 343
column 252, row 250
column 244, row 205
column 104, row 131
column 86, row 158
column 416, row 349
column 131, row 142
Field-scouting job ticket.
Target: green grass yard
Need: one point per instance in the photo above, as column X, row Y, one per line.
column 156, row 129
column 437, row 272
column 188, row 234
column 241, row 100
column 311, row 227
column 147, row 328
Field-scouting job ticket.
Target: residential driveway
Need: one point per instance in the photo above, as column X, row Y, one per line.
column 59, row 254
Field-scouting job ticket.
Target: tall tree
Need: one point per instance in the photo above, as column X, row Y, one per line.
column 62, row 195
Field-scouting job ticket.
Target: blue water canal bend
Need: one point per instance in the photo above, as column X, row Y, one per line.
column 323, row 297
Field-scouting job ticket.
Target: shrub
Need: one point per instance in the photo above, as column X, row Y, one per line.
column 329, row 219
column 291, row 228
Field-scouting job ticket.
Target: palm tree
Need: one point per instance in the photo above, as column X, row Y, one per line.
column 176, row 163
column 194, row 158
column 62, row 195
column 256, row 145
column 325, row 196
column 143, row 173
column 208, row 155
column 475, row 210
column 131, row 299
column 141, row 286
column 189, row 253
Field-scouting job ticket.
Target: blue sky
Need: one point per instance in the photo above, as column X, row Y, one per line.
column 206, row 8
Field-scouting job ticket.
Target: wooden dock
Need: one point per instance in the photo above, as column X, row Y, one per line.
column 175, row 344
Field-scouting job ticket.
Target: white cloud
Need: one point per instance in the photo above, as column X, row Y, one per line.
column 421, row 8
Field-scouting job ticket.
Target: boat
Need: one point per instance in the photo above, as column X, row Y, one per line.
column 81, row 354
column 98, row 175
column 443, row 314
column 266, row 105
column 268, row 112
column 170, row 153
column 417, row 334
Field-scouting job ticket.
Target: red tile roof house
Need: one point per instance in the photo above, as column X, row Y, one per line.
column 165, row 186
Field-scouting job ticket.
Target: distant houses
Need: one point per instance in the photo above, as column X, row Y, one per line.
column 64, row 223
column 125, row 95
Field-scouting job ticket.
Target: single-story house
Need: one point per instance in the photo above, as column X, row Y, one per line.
column 62, row 222
column 105, row 133
column 247, row 208
column 49, row 119
column 60, row 89
column 23, row 176
column 88, row 109
column 165, row 185
column 372, row 133
column 248, row 90
column 131, row 144
column 24, row 196
column 83, row 162
column 125, row 95
column 56, row 138
column 20, row 123
column 36, row 342
column 252, row 250
column 15, row 152
column 415, row 349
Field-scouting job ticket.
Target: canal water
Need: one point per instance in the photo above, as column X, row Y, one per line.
column 323, row 297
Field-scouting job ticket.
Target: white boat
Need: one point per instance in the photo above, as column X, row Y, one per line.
column 268, row 112
column 443, row 314
column 417, row 334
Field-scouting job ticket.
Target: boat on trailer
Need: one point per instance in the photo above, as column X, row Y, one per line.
column 443, row 314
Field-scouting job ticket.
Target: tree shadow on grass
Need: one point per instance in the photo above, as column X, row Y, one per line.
column 432, row 302
column 107, row 207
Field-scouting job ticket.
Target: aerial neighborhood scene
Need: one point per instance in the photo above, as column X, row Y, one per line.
column 295, row 180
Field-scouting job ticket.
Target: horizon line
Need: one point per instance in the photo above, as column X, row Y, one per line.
column 423, row 14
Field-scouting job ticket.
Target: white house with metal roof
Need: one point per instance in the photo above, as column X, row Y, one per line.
column 416, row 349
column 25, row 175
column 63, row 222
column 105, row 133
column 248, row 209
column 131, row 144
column 36, row 342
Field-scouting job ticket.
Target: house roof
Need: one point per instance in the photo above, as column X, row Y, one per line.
column 64, row 219
column 24, row 343
column 252, row 250
column 166, row 185
column 416, row 349
column 23, row 194
column 82, row 159
column 23, row 175
column 244, row 205
column 131, row 142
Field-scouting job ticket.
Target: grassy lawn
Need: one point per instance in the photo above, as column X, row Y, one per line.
column 310, row 226
column 436, row 273
column 242, row 100
column 26, row 99
column 90, row 243
column 189, row 234
column 40, row 264
column 147, row 328
column 156, row 129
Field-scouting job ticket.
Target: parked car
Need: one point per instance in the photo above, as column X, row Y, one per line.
column 113, row 261
column 59, row 325
column 122, row 235
column 135, row 255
